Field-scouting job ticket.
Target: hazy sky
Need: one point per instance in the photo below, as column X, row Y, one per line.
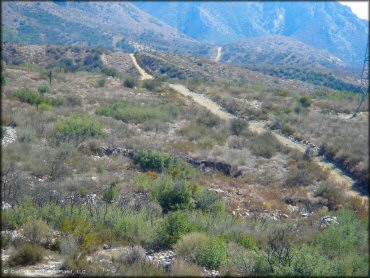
column 359, row 8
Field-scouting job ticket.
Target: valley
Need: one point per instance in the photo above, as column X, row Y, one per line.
column 178, row 139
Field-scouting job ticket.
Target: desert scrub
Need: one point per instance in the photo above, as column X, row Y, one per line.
column 133, row 113
column 33, row 98
column 238, row 126
column 44, row 89
column 173, row 227
column 26, row 255
column 207, row 251
column 152, row 160
column 152, row 85
column 130, row 82
column 305, row 101
column 304, row 173
column 172, row 195
column 77, row 128
column 265, row 145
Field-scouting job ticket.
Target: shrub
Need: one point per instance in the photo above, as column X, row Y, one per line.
column 101, row 82
column 73, row 100
column 111, row 72
column 305, row 101
column 45, row 106
column 110, row 194
column 334, row 195
column 152, row 160
column 130, row 82
column 36, row 231
column 172, row 195
column 305, row 173
column 175, row 225
column 77, row 128
column 26, row 255
column 28, row 96
column 132, row 113
column 151, row 85
column 265, row 145
column 187, row 246
column 238, row 126
column 182, row 268
column 206, row 251
column 44, row 89
column 209, row 201
column 208, row 119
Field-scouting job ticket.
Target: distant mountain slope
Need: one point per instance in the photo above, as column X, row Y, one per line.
column 95, row 24
column 327, row 26
column 277, row 51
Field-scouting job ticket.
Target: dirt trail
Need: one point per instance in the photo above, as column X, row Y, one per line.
column 203, row 101
column 144, row 75
column 219, row 54
column 260, row 126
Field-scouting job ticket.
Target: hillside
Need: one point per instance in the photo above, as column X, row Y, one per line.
column 116, row 175
column 327, row 26
column 277, row 51
column 119, row 25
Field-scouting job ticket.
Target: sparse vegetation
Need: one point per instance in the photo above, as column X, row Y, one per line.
column 94, row 171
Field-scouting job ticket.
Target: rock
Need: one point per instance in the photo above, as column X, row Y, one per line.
column 327, row 221
column 107, row 246
column 6, row 206
column 9, row 137
column 289, row 201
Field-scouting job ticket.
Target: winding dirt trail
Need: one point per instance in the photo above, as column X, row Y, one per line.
column 219, row 54
column 203, row 101
column 143, row 74
column 335, row 173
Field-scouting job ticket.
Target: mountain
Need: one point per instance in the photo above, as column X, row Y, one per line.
column 327, row 26
column 95, row 24
column 279, row 51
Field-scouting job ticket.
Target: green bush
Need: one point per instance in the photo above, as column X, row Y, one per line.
column 26, row 255
column 211, row 253
column 130, row 82
column 28, row 96
column 110, row 194
column 44, row 89
column 175, row 225
column 238, row 126
column 133, row 113
column 112, row 72
column 209, row 201
column 152, row 160
column 305, row 101
column 31, row 97
column 187, row 246
column 172, row 195
column 77, row 127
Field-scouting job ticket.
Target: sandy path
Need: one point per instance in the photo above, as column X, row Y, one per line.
column 219, row 54
column 144, row 75
column 335, row 174
column 203, row 101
